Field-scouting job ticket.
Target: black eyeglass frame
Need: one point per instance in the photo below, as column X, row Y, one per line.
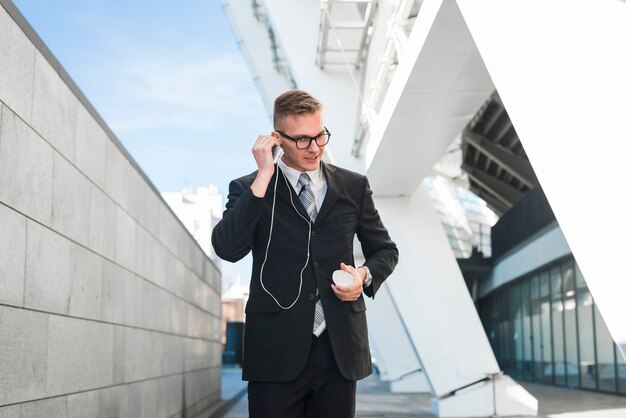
column 304, row 138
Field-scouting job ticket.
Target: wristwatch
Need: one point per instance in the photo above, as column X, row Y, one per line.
column 368, row 276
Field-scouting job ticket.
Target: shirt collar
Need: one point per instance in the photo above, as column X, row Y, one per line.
column 293, row 175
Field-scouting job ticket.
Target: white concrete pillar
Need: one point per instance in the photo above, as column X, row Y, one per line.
column 439, row 315
column 395, row 353
column 560, row 67
column 255, row 45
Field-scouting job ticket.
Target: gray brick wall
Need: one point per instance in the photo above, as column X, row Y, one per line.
column 108, row 307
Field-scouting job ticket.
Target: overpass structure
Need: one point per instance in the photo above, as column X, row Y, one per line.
column 400, row 81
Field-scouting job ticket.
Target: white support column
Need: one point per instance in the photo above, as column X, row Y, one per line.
column 437, row 87
column 560, row 67
column 394, row 350
column 252, row 37
column 440, row 318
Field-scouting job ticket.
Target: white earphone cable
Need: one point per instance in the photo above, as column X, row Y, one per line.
column 308, row 249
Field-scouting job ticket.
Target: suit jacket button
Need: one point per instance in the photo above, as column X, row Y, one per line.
column 313, row 233
column 311, row 297
column 316, row 264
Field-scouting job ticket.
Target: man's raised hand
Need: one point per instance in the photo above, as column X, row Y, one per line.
column 262, row 152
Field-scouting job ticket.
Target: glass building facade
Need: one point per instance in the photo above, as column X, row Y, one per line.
column 545, row 327
column 465, row 218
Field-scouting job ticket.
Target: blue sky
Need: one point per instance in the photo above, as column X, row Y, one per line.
column 167, row 77
column 169, row 80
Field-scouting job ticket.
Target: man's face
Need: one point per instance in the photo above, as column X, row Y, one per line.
column 296, row 126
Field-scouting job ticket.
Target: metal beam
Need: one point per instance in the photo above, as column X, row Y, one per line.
column 518, row 166
column 501, row 190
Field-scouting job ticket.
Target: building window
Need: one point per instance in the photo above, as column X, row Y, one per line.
column 621, row 374
column 586, row 339
column 570, row 327
column 545, row 327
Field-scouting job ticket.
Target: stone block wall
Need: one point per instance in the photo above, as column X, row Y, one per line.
column 108, row 307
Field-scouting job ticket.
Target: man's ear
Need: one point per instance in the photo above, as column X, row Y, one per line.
column 277, row 136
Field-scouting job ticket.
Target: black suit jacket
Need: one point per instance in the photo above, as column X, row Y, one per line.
column 277, row 341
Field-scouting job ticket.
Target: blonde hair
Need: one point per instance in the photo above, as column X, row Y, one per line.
column 294, row 102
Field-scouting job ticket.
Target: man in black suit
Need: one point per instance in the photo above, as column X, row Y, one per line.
column 305, row 342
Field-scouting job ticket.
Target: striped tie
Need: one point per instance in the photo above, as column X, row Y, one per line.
column 308, row 201
column 306, row 196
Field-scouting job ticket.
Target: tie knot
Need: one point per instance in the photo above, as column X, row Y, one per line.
column 304, row 179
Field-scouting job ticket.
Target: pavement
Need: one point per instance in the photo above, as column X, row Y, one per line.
column 374, row 400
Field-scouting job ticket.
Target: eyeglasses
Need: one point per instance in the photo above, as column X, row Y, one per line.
column 304, row 142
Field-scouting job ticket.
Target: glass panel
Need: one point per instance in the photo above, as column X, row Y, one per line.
column 504, row 351
column 518, row 334
column 580, row 280
column 526, row 328
column 606, row 359
column 544, row 285
column 535, row 328
column 497, row 318
column 542, row 347
column 569, row 317
column 546, row 346
column 621, row 373
column 560, row 373
column 536, row 341
column 509, row 342
column 584, row 306
column 534, row 288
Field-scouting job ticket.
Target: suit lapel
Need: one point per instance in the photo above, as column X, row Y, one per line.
column 335, row 186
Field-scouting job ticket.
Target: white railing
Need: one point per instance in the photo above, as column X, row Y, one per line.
column 399, row 17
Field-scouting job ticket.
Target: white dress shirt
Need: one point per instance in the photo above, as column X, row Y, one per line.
column 318, row 181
